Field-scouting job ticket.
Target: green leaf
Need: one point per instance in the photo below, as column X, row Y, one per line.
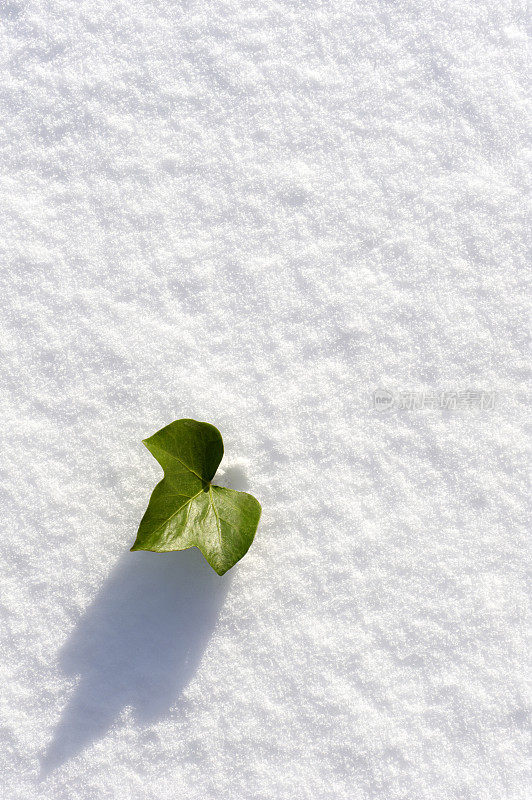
column 185, row 509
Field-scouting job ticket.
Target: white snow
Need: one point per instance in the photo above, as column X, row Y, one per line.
column 255, row 214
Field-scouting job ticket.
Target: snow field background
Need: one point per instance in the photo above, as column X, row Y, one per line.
column 255, row 214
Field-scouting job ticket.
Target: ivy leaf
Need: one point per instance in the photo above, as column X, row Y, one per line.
column 185, row 509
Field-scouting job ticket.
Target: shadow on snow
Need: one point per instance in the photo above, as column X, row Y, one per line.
column 137, row 645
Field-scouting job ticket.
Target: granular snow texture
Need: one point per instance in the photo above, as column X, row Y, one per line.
column 255, row 214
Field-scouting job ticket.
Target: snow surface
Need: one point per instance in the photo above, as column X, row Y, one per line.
column 255, row 214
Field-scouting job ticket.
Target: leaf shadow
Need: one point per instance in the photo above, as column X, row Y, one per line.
column 137, row 645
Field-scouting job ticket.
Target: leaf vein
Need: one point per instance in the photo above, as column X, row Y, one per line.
column 218, row 526
column 176, row 458
column 176, row 512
